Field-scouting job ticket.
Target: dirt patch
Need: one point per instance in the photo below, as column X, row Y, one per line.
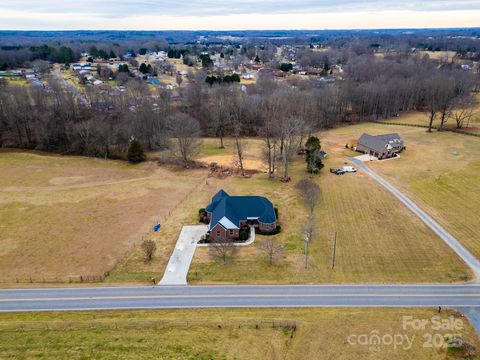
column 231, row 161
column 66, row 180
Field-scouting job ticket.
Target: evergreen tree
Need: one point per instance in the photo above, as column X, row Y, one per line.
column 143, row 68
column 123, row 68
column 313, row 155
column 135, row 153
column 286, row 67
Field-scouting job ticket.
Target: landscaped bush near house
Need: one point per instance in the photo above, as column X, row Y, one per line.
column 243, row 234
column 203, row 216
column 278, row 228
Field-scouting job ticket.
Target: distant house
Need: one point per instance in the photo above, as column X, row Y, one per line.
column 82, row 66
column 247, row 76
column 28, row 74
column 227, row 214
column 381, row 146
column 326, row 79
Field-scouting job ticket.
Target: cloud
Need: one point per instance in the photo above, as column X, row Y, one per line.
column 240, row 14
column 126, row 8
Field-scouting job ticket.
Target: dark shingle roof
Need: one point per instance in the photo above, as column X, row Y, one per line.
column 216, row 199
column 239, row 208
column 378, row 142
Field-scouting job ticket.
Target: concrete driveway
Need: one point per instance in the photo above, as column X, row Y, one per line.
column 179, row 263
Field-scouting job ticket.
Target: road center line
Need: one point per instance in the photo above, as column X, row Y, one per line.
column 206, row 296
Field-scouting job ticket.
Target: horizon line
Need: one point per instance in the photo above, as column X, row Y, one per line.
column 252, row 30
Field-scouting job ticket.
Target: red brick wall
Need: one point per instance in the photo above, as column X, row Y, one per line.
column 223, row 233
column 266, row 227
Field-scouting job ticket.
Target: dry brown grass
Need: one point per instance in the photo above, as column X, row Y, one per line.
column 222, row 334
column 442, row 183
column 64, row 217
column 421, row 118
column 379, row 240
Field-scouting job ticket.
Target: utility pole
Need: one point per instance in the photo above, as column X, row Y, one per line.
column 307, row 240
column 334, row 249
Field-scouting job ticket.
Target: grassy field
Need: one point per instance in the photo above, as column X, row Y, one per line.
column 376, row 234
column 64, row 217
column 439, row 55
column 79, row 216
column 221, row 334
column 441, row 171
column 420, row 118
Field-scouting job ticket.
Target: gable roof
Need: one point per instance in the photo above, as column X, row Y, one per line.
column 229, row 211
column 216, row 199
column 378, row 142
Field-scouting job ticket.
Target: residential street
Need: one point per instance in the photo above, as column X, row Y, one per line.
column 461, row 251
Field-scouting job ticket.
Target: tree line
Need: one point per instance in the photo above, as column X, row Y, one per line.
column 283, row 113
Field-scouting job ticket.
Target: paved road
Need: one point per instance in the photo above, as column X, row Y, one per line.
column 69, row 86
column 240, row 296
column 461, row 251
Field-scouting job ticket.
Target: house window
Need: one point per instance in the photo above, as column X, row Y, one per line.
column 218, row 233
column 231, row 232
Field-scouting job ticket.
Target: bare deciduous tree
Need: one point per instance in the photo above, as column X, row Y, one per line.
column 291, row 128
column 311, row 194
column 222, row 249
column 463, row 111
column 148, row 248
column 218, row 113
column 439, row 96
column 185, row 136
column 271, row 249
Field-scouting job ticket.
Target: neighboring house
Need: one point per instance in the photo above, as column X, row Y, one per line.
column 381, row 146
column 227, row 214
column 82, row 66
column 28, row 74
column 247, row 76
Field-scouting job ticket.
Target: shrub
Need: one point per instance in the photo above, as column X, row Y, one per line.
column 278, row 228
column 202, row 211
column 286, row 67
column 135, row 153
column 243, row 234
column 148, row 248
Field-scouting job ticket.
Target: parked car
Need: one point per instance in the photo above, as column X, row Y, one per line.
column 349, row 169
column 337, row 171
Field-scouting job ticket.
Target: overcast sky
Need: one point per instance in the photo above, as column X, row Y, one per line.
column 235, row 15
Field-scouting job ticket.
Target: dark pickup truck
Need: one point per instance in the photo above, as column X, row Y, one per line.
column 337, row 171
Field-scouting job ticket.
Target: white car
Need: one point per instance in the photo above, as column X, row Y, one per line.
column 349, row 169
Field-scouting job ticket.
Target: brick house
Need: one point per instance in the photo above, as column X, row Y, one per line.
column 381, row 146
column 228, row 214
